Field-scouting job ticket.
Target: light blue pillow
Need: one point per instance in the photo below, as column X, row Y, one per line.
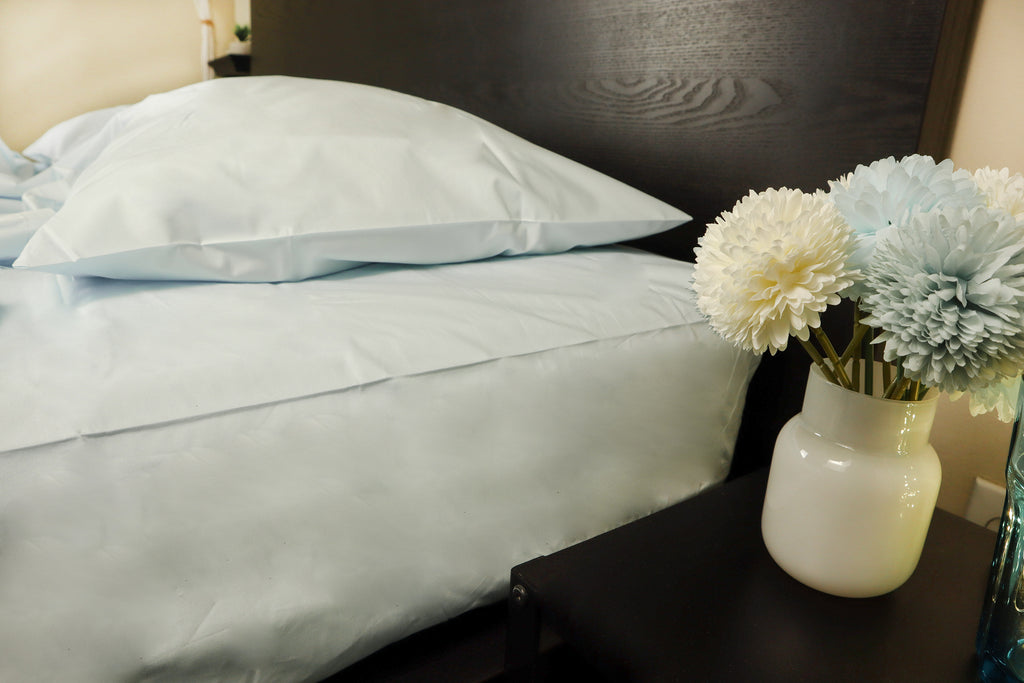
column 68, row 137
column 275, row 179
column 34, row 185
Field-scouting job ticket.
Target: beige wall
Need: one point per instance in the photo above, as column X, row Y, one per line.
column 989, row 125
column 242, row 13
column 988, row 133
column 60, row 58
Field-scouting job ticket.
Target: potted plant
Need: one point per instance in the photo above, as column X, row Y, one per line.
column 241, row 44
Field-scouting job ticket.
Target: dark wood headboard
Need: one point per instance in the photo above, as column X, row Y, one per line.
column 693, row 101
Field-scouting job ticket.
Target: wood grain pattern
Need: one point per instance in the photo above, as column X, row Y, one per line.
column 694, row 101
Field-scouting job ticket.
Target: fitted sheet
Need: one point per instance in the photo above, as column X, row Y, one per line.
column 219, row 482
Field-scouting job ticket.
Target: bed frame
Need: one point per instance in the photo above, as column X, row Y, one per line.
column 693, row 101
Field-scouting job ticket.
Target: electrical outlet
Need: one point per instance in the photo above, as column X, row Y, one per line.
column 985, row 506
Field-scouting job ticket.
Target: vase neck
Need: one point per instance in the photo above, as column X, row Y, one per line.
column 866, row 422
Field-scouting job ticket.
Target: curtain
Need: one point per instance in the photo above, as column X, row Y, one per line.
column 206, row 40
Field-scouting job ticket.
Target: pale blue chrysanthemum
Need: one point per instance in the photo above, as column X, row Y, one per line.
column 947, row 291
column 767, row 269
column 872, row 198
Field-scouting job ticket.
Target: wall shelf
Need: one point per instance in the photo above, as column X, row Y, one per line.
column 232, row 65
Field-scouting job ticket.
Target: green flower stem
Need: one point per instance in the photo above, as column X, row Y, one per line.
column 898, row 386
column 855, row 374
column 818, row 360
column 857, row 357
column 867, row 352
column 826, row 344
column 886, row 373
column 855, row 343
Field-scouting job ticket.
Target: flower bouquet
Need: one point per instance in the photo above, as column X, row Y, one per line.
column 932, row 259
column 931, row 256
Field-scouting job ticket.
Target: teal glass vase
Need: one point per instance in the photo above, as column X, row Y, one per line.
column 1000, row 643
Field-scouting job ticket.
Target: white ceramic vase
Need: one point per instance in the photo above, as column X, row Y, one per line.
column 851, row 490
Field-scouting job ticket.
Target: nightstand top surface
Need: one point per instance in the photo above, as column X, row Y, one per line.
column 690, row 593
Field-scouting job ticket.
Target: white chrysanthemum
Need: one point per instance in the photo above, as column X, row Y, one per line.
column 1002, row 190
column 769, row 267
column 998, row 396
column 947, row 291
column 872, row 198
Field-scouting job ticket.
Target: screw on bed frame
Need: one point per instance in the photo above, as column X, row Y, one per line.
column 519, row 595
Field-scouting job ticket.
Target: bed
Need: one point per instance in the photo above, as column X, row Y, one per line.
column 302, row 458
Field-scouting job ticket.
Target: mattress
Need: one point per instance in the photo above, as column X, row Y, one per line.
column 240, row 482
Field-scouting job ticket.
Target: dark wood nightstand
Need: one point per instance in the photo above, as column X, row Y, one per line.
column 691, row 594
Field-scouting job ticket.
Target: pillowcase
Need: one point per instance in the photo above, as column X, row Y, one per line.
column 67, row 136
column 34, row 185
column 268, row 179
